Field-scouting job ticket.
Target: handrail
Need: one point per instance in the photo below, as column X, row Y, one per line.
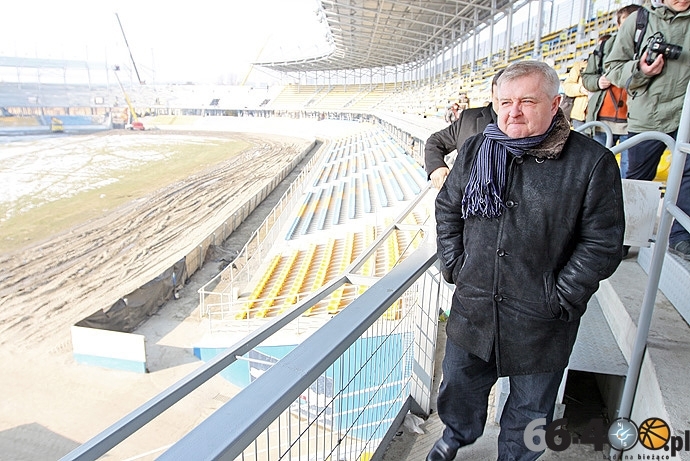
column 646, row 136
column 224, row 435
column 679, row 148
column 603, row 126
column 135, row 420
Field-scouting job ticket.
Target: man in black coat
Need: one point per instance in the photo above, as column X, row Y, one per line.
column 450, row 139
column 528, row 223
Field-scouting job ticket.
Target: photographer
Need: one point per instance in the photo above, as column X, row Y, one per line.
column 656, row 79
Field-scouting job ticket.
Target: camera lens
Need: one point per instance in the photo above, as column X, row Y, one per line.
column 658, row 46
column 672, row 51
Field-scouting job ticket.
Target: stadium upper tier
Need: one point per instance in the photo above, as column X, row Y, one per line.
column 368, row 33
column 424, row 94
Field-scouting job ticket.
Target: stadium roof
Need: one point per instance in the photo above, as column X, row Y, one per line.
column 382, row 33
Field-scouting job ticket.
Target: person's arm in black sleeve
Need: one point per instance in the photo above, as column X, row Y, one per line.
column 599, row 248
column 439, row 145
column 450, row 224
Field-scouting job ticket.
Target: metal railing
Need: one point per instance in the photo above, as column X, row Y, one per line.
column 679, row 148
column 343, row 391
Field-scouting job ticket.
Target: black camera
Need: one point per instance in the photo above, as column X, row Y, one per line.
column 656, row 45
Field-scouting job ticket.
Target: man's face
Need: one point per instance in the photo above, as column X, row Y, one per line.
column 677, row 5
column 524, row 107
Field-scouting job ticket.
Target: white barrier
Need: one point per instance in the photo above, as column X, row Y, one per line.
column 642, row 200
column 109, row 349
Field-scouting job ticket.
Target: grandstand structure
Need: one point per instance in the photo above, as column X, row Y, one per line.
column 351, row 199
column 422, row 80
column 354, row 239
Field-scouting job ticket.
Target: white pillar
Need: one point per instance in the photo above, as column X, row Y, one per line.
column 509, row 33
column 581, row 21
column 539, row 30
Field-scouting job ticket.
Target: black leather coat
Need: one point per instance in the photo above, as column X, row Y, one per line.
column 523, row 280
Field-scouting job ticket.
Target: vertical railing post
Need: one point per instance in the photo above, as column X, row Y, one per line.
column 675, row 177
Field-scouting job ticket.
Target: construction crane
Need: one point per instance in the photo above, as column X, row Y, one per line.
column 136, row 123
column 141, row 82
column 251, row 65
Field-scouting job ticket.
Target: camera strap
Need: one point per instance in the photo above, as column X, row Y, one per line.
column 640, row 30
column 600, row 54
column 642, row 19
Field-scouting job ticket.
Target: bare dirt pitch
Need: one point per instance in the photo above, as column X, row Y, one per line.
column 49, row 404
column 49, row 286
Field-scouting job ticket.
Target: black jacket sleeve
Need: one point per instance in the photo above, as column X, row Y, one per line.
column 449, row 221
column 445, row 141
column 439, row 145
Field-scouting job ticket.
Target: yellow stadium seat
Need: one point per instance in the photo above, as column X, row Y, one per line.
column 258, row 289
column 664, row 167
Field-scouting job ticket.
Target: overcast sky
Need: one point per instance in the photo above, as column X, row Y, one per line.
column 200, row 40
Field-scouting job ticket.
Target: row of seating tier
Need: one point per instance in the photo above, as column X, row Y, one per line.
column 291, row 276
column 278, row 285
column 369, row 235
column 365, row 174
column 259, row 288
column 344, row 260
column 322, row 271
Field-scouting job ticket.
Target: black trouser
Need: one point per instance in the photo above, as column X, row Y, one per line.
column 463, row 403
column 643, row 161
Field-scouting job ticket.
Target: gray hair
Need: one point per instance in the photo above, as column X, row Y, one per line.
column 531, row 68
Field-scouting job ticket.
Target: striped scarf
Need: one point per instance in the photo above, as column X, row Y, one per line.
column 484, row 192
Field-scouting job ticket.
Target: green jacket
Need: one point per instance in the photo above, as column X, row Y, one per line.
column 590, row 80
column 654, row 103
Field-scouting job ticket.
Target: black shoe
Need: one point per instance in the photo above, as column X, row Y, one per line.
column 441, row 451
column 626, row 249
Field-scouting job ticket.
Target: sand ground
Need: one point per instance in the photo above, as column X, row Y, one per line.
column 49, row 403
column 50, row 286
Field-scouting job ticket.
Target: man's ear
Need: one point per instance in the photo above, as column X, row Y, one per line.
column 556, row 104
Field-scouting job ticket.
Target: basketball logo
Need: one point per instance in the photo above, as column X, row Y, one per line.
column 654, row 433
